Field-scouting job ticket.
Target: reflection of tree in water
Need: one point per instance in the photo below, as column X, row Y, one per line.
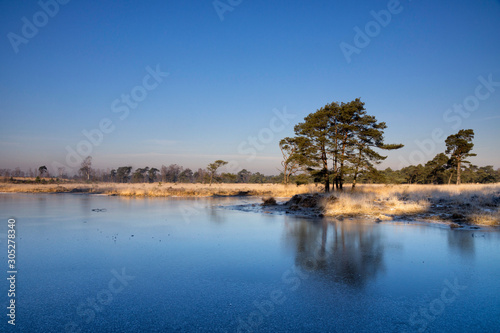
column 345, row 252
column 85, row 205
column 215, row 214
column 462, row 242
column 42, row 203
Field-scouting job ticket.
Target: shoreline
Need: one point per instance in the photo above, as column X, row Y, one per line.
column 456, row 206
column 282, row 208
column 466, row 210
column 163, row 189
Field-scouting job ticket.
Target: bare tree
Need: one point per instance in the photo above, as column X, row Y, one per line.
column 60, row 172
column 86, row 167
column 289, row 164
column 200, row 176
column 171, row 173
column 17, row 172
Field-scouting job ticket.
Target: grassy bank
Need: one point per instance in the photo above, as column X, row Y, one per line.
column 464, row 204
column 164, row 190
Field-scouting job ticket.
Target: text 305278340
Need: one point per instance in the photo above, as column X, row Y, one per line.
column 12, row 271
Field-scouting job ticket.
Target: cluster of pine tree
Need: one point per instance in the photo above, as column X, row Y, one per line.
column 336, row 141
column 340, row 143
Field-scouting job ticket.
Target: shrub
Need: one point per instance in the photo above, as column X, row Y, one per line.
column 269, row 201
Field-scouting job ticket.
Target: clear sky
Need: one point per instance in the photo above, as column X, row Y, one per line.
column 240, row 76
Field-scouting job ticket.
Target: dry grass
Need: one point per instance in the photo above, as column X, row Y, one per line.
column 166, row 189
column 461, row 193
column 369, row 203
column 31, row 188
column 474, row 204
column 485, row 218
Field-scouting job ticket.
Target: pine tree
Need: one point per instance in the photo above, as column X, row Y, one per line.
column 368, row 134
column 212, row 168
column 459, row 146
column 342, row 133
column 313, row 142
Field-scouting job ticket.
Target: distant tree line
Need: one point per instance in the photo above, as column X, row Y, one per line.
column 172, row 173
column 435, row 171
column 448, row 167
column 334, row 145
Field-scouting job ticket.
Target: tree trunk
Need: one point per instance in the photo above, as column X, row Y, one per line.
column 326, row 173
column 285, row 176
column 459, row 166
column 341, row 175
column 342, row 158
column 356, row 171
column 354, row 178
column 336, row 158
column 336, row 167
column 327, row 182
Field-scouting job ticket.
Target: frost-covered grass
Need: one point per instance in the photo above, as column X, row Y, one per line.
column 164, row 189
column 471, row 203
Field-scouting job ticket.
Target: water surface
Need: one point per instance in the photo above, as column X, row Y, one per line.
column 190, row 265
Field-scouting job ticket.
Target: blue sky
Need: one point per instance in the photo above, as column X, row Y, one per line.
column 228, row 79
